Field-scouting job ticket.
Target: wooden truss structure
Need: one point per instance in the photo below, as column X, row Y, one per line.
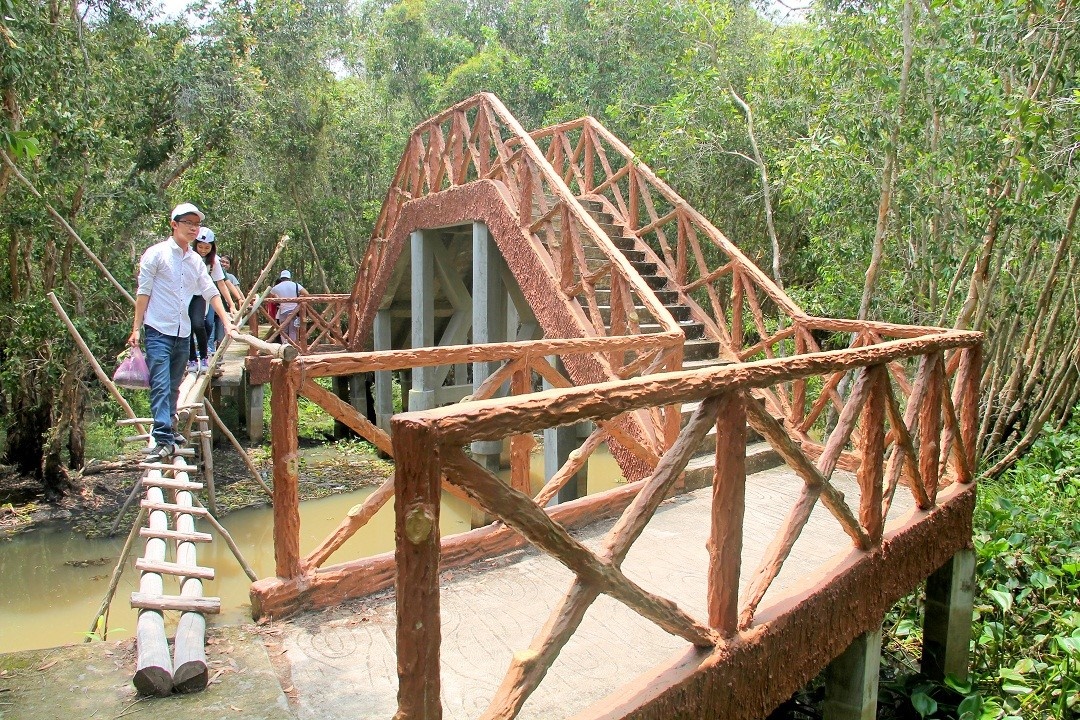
column 577, row 218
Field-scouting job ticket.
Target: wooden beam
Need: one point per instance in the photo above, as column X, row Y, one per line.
column 728, row 507
column 416, row 484
column 285, row 452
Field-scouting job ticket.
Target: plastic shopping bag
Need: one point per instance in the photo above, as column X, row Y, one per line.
column 132, row 372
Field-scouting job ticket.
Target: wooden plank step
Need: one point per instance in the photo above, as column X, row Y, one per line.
column 171, row 568
column 169, row 507
column 171, row 483
column 135, row 421
column 134, row 438
column 176, row 535
column 147, row 601
column 166, row 467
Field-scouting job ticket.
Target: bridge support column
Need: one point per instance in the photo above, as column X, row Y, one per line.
column 422, row 393
column 254, row 396
column 950, row 599
column 851, row 680
column 350, row 388
column 559, row 442
column 488, row 325
column 384, row 379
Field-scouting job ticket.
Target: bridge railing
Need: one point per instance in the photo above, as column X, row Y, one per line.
column 304, row 581
column 478, row 139
column 323, row 322
column 738, row 303
column 921, row 431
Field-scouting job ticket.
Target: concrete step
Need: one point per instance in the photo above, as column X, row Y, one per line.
column 759, row 456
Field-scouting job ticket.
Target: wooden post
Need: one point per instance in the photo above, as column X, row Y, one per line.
column 207, row 448
column 966, row 400
column 851, row 680
column 417, row 488
column 798, row 386
column 728, row 506
column 950, row 599
column 873, row 451
column 521, row 445
column 153, row 666
column 285, row 452
column 930, row 424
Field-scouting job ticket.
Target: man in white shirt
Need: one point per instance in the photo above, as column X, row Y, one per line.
column 170, row 272
column 288, row 313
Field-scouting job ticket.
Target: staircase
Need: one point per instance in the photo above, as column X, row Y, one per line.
column 475, row 163
column 699, row 351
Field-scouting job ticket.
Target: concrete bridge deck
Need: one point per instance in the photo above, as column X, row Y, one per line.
column 341, row 662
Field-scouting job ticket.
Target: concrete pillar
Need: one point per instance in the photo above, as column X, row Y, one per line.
column 950, row 599
column 422, row 393
column 349, row 388
column 559, row 442
column 851, row 680
column 255, row 413
column 384, row 379
column 488, row 323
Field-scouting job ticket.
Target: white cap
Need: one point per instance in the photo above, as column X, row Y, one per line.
column 186, row 209
column 205, row 235
column 285, row 274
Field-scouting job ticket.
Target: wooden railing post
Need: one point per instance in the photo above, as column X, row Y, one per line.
column 930, row 424
column 728, row 505
column 966, row 401
column 285, row 452
column 416, row 512
column 873, row 453
column 521, row 445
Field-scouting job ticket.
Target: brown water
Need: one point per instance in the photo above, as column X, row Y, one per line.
column 52, row 582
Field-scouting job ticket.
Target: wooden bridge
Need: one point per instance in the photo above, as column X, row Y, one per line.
column 548, row 284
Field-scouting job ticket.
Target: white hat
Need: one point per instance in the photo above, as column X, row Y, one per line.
column 186, row 209
column 206, row 235
column 285, row 274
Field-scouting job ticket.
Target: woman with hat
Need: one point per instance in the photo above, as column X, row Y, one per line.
column 202, row 324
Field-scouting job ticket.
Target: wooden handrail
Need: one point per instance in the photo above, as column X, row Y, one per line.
column 434, row 438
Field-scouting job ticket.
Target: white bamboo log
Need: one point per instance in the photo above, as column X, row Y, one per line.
column 153, row 666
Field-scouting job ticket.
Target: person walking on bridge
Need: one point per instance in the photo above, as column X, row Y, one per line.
column 288, row 313
column 170, row 272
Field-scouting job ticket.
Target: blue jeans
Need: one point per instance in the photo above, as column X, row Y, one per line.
column 166, row 359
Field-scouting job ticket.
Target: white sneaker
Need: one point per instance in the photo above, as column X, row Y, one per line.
column 193, row 366
column 156, row 451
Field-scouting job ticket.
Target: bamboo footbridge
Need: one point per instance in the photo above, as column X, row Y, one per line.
column 548, row 285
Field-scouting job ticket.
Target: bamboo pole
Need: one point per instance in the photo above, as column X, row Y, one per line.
column 153, row 667
column 115, row 579
column 207, row 448
column 105, row 379
column 228, row 541
column 123, row 509
column 212, row 414
column 66, row 227
column 190, row 673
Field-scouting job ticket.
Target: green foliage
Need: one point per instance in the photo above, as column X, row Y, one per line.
column 1026, row 659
